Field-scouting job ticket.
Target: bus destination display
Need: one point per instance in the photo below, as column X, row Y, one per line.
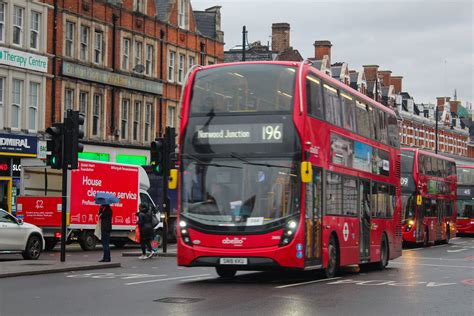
column 239, row 134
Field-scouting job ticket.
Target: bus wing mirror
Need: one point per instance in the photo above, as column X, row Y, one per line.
column 306, row 172
column 173, row 179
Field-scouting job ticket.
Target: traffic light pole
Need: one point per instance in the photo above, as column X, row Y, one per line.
column 64, row 214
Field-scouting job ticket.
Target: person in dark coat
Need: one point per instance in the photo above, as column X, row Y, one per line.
column 144, row 222
column 105, row 215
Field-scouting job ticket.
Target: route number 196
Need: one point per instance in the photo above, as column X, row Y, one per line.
column 271, row 132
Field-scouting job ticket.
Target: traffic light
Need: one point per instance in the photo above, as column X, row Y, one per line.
column 75, row 132
column 55, row 146
column 157, row 155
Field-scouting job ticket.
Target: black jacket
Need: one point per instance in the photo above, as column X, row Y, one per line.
column 105, row 214
column 145, row 224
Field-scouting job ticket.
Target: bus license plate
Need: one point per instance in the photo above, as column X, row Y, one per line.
column 236, row 261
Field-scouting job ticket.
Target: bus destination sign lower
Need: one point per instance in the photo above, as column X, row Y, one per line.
column 239, row 134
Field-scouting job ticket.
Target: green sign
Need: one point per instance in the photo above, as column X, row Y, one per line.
column 16, row 58
column 131, row 160
column 94, row 156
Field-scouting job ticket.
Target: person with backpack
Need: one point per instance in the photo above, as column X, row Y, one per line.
column 145, row 223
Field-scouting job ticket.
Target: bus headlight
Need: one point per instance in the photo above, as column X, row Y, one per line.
column 288, row 232
column 184, row 233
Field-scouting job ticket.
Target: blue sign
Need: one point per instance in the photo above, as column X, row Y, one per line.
column 299, row 254
column 299, row 247
column 19, row 145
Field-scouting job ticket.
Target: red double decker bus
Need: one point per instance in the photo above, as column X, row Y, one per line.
column 465, row 200
column 283, row 166
column 428, row 197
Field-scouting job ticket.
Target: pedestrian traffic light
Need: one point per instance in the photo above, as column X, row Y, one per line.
column 157, row 154
column 75, row 133
column 54, row 146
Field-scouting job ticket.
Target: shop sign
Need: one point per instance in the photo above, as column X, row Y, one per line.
column 111, row 78
column 5, row 164
column 18, row 145
column 16, row 168
column 16, row 58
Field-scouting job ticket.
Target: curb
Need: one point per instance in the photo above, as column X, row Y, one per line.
column 59, row 270
column 160, row 254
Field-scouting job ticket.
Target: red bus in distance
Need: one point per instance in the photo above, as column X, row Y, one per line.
column 284, row 167
column 465, row 200
column 428, row 197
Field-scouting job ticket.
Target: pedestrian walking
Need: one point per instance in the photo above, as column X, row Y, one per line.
column 105, row 215
column 146, row 230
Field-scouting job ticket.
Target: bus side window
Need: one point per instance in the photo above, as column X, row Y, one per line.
column 393, row 132
column 383, row 127
column 332, row 105
column 363, row 120
column 373, row 123
column 333, row 194
column 314, row 97
column 374, row 199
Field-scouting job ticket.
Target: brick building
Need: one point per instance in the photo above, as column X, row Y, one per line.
column 121, row 64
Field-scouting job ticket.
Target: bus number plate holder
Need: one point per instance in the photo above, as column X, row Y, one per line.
column 233, row 261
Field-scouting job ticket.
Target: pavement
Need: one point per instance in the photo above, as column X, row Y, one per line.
column 12, row 267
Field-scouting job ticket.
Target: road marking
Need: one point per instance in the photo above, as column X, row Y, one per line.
column 304, row 283
column 390, row 283
column 468, row 282
column 432, row 265
column 458, row 250
column 437, row 259
column 111, row 275
column 168, row 279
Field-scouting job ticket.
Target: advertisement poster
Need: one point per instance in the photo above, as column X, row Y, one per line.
column 90, row 178
column 42, row 211
column 363, row 156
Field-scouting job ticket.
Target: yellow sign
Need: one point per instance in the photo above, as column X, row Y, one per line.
column 418, row 200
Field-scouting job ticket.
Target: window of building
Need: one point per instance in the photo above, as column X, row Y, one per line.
column 333, row 105
column 171, row 116
column 17, row 93
column 191, row 62
column 97, row 110
column 83, row 108
column 136, row 120
column 182, row 14
column 84, row 43
column 334, row 194
column 33, row 106
column 181, row 68
column 18, row 14
column 171, row 66
column 124, row 119
column 2, row 22
column 148, row 117
column 125, row 53
column 70, row 31
column 68, row 100
column 314, row 97
column 2, row 98
column 149, row 60
column 98, row 47
column 35, row 25
column 348, row 112
column 139, row 6
column 138, row 53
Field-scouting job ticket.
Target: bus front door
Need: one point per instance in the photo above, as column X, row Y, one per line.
column 419, row 217
column 441, row 214
column 364, row 219
column 313, row 220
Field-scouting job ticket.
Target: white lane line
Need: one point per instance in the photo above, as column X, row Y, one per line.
column 436, row 259
column 303, row 283
column 458, row 250
column 431, row 265
column 168, row 279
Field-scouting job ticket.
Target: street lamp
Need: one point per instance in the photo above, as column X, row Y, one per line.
column 436, row 129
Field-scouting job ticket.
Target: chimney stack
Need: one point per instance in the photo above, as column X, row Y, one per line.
column 385, row 75
column 371, row 72
column 280, row 37
column 396, row 81
column 322, row 48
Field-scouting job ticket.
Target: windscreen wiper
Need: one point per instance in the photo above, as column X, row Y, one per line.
column 235, row 155
column 200, row 162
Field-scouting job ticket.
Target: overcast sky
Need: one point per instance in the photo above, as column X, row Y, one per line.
column 428, row 42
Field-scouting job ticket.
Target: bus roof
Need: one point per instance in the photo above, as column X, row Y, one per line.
column 321, row 74
column 428, row 153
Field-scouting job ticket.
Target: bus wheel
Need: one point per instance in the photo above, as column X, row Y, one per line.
column 226, row 272
column 87, row 240
column 426, row 238
column 331, row 269
column 383, row 254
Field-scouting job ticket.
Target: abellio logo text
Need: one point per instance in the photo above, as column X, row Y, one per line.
column 235, row 241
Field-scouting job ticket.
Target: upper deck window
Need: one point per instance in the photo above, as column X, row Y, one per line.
column 243, row 88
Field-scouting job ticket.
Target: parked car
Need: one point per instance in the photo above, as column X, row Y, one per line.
column 19, row 237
